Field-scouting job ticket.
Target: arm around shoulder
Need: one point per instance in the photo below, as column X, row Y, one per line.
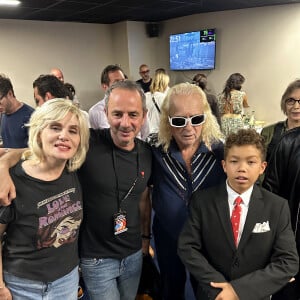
column 7, row 188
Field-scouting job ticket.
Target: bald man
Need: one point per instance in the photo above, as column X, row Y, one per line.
column 58, row 74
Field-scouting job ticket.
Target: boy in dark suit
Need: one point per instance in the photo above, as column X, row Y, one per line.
column 238, row 241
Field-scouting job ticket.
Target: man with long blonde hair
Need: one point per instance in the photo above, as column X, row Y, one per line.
column 187, row 158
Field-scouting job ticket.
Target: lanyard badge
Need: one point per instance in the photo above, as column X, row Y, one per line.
column 120, row 222
column 120, row 218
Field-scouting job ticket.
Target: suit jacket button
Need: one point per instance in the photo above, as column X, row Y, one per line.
column 236, row 263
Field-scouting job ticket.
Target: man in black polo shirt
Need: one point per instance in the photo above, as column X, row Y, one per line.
column 146, row 80
column 114, row 179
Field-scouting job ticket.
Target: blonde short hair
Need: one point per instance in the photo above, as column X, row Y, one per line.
column 159, row 83
column 55, row 110
column 211, row 132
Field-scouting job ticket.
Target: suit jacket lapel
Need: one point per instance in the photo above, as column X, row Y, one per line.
column 255, row 211
column 222, row 205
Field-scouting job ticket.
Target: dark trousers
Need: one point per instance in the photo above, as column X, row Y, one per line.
column 172, row 270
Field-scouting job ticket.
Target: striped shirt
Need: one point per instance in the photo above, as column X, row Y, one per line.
column 173, row 185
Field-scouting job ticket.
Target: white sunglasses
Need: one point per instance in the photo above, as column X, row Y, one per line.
column 183, row 121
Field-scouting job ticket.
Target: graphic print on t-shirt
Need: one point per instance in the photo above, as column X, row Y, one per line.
column 61, row 221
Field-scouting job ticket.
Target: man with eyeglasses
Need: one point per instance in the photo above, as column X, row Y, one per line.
column 187, row 158
column 146, row 80
column 14, row 116
column 290, row 106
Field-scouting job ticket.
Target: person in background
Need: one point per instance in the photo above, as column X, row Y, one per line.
column 282, row 178
column 187, row 158
column 109, row 75
column 290, row 106
column 46, row 214
column 155, row 98
column 58, row 74
column 14, row 115
column 146, row 80
column 160, row 71
column 97, row 115
column 238, row 242
column 47, row 87
column 72, row 96
column 71, row 91
column 231, row 103
column 201, row 81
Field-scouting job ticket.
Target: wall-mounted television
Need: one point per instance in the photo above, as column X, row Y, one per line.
column 193, row 50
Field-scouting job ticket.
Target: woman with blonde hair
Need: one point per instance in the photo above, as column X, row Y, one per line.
column 40, row 246
column 155, row 98
column 186, row 158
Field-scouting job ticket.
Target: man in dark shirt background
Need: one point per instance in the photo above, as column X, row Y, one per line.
column 146, row 80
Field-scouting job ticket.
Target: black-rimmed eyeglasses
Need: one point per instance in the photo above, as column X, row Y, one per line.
column 291, row 101
column 183, row 121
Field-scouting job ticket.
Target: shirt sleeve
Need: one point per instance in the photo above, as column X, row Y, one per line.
column 7, row 214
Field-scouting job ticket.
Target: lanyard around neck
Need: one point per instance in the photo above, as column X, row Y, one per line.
column 120, row 201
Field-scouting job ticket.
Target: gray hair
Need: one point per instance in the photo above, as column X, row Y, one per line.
column 126, row 85
column 294, row 85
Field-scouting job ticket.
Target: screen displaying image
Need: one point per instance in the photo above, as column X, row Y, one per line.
column 193, row 50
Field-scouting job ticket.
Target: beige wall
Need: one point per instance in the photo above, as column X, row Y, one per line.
column 30, row 48
column 142, row 49
column 120, row 46
column 261, row 43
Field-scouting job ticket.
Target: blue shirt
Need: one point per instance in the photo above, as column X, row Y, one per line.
column 173, row 185
column 13, row 130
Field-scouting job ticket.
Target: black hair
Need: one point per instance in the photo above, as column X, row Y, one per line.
column 107, row 70
column 5, row 86
column 50, row 84
column 234, row 82
column 200, row 80
column 245, row 137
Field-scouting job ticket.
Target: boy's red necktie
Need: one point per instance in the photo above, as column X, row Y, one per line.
column 235, row 218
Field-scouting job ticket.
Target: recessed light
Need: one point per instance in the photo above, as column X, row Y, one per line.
column 10, row 2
